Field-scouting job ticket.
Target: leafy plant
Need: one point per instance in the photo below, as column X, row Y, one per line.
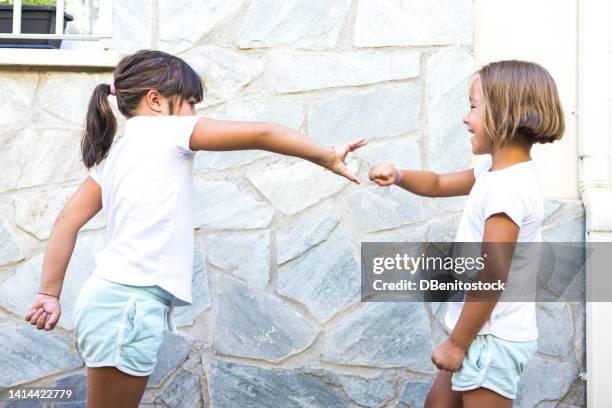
column 31, row 2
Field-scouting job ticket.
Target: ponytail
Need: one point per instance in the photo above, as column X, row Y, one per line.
column 133, row 77
column 100, row 127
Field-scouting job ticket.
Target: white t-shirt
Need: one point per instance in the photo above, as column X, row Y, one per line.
column 516, row 192
column 147, row 186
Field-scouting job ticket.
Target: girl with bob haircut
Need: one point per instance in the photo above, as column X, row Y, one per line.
column 144, row 182
column 513, row 105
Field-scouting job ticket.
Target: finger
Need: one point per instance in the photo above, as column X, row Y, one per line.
column 345, row 173
column 372, row 173
column 382, row 181
column 41, row 321
column 353, row 178
column 356, row 145
column 29, row 315
column 52, row 320
column 36, row 315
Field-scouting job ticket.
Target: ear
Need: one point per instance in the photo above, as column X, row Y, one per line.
column 154, row 100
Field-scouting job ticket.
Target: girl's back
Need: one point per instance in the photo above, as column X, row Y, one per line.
column 146, row 183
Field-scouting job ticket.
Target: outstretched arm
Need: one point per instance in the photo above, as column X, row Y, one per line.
column 220, row 135
column 82, row 206
column 424, row 183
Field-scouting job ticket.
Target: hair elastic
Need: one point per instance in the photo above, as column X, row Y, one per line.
column 48, row 294
column 398, row 177
column 113, row 90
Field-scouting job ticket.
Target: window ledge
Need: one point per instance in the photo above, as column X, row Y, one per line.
column 96, row 58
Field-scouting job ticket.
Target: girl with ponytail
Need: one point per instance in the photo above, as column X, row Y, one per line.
column 144, row 183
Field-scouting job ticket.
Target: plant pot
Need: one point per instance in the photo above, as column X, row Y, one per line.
column 34, row 20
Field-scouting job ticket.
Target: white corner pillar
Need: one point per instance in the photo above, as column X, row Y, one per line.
column 594, row 185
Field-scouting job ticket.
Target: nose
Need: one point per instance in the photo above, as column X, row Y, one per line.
column 465, row 119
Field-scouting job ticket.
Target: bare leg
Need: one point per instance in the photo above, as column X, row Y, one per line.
column 441, row 394
column 109, row 387
column 482, row 397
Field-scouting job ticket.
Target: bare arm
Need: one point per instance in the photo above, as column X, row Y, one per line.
column 475, row 313
column 424, row 183
column 85, row 203
column 220, row 135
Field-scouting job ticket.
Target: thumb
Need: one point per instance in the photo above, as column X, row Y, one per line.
column 352, row 177
column 343, row 171
column 52, row 321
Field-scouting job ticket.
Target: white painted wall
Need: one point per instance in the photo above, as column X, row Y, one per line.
column 542, row 31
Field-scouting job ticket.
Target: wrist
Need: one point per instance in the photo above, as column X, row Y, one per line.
column 331, row 158
column 398, row 177
column 458, row 342
column 48, row 293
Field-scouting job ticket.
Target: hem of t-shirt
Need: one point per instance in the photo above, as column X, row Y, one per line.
column 491, row 212
column 507, row 336
column 176, row 300
column 190, row 151
column 504, row 335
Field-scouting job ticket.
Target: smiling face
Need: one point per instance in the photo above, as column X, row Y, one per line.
column 474, row 120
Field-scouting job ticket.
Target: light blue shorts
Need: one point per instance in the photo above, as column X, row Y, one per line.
column 121, row 326
column 494, row 364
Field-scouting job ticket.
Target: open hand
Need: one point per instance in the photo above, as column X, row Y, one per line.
column 448, row 356
column 383, row 174
column 339, row 165
column 45, row 312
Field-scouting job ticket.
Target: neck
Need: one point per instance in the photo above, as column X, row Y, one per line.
column 506, row 156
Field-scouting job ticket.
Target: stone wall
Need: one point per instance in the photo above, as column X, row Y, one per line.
column 276, row 320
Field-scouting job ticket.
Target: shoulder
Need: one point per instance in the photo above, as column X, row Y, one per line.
column 514, row 191
column 163, row 121
column 518, row 181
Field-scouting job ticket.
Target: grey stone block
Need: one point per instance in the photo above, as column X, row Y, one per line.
column 382, row 335
column 257, row 325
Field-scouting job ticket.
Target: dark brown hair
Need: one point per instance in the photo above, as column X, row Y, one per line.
column 134, row 76
column 520, row 98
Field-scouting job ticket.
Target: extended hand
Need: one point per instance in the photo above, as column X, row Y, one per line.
column 383, row 174
column 45, row 312
column 448, row 356
column 339, row 165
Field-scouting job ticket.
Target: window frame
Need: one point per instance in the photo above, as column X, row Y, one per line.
column 103, row 56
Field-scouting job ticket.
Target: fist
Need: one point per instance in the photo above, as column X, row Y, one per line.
column 383, row 174
column 44, row 312
column 448, row 356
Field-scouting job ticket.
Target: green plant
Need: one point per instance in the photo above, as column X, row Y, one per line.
column 31, row 2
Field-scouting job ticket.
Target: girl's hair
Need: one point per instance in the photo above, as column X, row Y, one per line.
column 520, row 98
column 134, row 76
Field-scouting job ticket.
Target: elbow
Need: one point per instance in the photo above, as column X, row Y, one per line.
column 66, row 222
column 263, row 133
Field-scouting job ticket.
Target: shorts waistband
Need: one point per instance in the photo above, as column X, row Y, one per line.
column 152, row 292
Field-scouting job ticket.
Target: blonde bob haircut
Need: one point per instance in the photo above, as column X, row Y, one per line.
column 520, row 98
